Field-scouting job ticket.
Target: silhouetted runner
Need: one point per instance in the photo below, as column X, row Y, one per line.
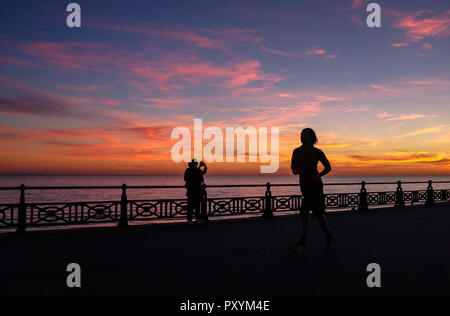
column 194, row 179
column 304, row 163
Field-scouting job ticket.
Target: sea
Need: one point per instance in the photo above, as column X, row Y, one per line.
column 56, row 196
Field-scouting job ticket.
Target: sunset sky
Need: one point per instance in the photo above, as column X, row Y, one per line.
column 104, row 99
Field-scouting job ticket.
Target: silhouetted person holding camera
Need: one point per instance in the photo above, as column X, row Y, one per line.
column 304, row 164
column 194, row 178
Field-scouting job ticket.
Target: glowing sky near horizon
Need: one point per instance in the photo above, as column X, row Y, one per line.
column 104, row 99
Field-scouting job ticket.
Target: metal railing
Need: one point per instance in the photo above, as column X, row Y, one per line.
column 23, row 215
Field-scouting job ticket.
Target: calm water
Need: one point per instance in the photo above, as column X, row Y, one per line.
column 105, row 195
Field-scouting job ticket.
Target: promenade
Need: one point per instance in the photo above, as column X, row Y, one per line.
column 238, row 257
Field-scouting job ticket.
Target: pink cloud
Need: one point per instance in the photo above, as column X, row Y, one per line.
column 74, row 133
column 198, row 40
column 43, row 105
column 166, row 101
column 320, row 52
column 358, row 3
column 418, row 27
column 19, row 62
column 400, row 44
column 22, row 100
column 380, row 88
column 80, row 88
column 196, row 72
column 168, row 72
column 287, row 95
column 427, row 46
column 280, row 52
column 201, row 37
column 357, row 20
column 312, row 52
column 73, row 55
column 280, row 116
column 290, row 109
column 316, row 51
column 163, row 103
column 93, row 101
column 436, row 82
column 384, row 115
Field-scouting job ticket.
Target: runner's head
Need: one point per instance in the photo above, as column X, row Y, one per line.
column 309, row 137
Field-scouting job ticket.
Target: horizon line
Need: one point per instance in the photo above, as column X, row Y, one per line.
column 214, row 175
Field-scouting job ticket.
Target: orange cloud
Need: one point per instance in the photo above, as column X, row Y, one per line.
column 335, row 145
column 424, row 131
column 389, row 158
column 287, row 95
column 407, row 117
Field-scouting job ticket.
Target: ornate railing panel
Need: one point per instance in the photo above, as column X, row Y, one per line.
column 336, row 201
column 148, row 210
column 286, row 203
column 72, row 213
column 236, row 206
column 8, row 215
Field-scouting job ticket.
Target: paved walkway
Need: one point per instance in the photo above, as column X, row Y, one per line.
column 244, row 257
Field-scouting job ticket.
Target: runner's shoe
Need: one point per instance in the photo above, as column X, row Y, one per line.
column 330, row 240
column 299, row 247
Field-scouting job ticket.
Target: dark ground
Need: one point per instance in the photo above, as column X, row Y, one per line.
column 243, row 257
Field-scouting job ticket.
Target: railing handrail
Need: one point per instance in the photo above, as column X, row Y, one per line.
column 267, row 204
column 119, row 187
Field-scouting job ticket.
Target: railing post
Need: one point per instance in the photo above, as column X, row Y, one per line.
column 22, row 216
column 443, row 195
column 268, row 212
column 363, row 203
column 124, row 208
column 430, row 194
column 204, row 203
column 399, row 196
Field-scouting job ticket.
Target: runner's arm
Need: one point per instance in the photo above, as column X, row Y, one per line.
column 326, row 163
column 294, row 166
